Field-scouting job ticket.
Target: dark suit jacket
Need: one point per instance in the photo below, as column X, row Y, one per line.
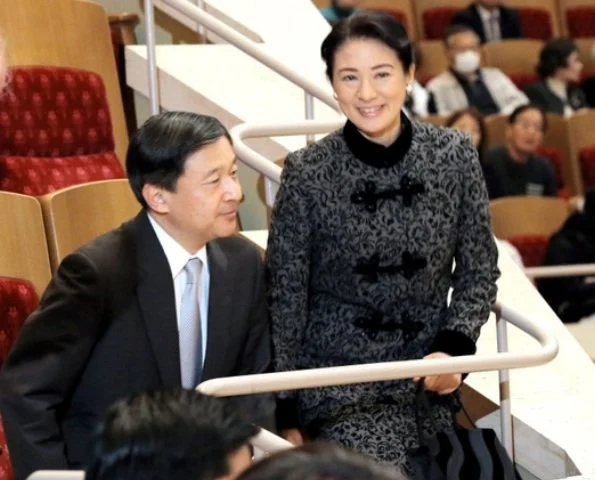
column 106, row 328
column 540, row 94
column 510, row 24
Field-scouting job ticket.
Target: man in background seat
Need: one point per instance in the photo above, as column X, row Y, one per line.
column 169, row 299
column 491, row 20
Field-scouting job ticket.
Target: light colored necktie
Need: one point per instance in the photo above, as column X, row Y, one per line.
column 190, row 334
column 495, row 27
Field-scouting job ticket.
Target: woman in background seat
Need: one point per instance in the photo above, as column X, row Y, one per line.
column 366, row 225
column 471, row 122
column 560, row 71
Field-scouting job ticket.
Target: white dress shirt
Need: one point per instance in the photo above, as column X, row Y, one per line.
column 177, row 257
column 559, row 89
column 491, row 23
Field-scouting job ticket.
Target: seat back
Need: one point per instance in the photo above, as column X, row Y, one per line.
column 582, row 146
column 539, row 18
column 22, row 240
column 528, row 215
column 54, row 112
column 433, row 16
column 83, row 42
column 577, row 18
column 517, row 58
column 433, row 59
column 75, row 215
column 402, row 10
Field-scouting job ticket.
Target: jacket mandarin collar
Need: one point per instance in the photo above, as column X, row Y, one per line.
column 377, row 155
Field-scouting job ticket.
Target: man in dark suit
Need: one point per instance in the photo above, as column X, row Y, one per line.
column 171, row 298
column 491, row 20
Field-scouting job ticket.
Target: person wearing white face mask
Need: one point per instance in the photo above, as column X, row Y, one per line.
column 467, row 84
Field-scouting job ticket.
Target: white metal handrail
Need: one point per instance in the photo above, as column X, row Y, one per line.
column 246, row 45
column 554, row 271
column 344, row 375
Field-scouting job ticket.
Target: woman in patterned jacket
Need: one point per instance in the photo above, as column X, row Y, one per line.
column 364, row 232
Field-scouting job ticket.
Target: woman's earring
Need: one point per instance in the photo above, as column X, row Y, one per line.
column 409, row 88
column 335, row 97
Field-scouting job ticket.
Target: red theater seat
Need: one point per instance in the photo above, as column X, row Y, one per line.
column 17, row 300
column 532, row 248
column 587, row 164
column 536, row 23
column 436, row 20
column 55, row 130
column 580, row 21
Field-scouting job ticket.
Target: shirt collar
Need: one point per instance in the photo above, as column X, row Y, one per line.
column 487, row 15
column 176, row 255
column 558, row 87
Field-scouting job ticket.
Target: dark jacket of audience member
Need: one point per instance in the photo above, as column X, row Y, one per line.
column 515, row 168
column 509, row 22
column 505, row 177
column 171, row 434
column 560, row 71
column 572, row 298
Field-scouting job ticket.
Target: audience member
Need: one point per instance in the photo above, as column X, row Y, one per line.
column 147, row 305
column 339, row 9
column 490, row 20
column 470, row 121
column 171, row 434
column 316, row 461
column 466, row 83
column 418, row 98
column 572, row 298
column 560, row 70
column 515, row 168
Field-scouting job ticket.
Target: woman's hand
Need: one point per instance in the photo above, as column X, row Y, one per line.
column 441, row 384
column 294, row 436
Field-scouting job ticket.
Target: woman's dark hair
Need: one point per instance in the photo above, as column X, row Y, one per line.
column 159, row 148
column 477, row 116
column 554, row 55
column 378, row 26
column 317, row 461
column 523, row 108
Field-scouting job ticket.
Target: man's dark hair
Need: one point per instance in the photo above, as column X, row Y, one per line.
column 523, row 108
column 455, row 29
column 317, row 461
column 174, row 434
column 554, row 55
column 382, row 27
column 158, row 150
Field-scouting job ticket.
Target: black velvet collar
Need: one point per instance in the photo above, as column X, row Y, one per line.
column 377, row 155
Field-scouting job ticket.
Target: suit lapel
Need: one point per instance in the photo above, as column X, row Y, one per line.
column 157, row 302
column 219, row 321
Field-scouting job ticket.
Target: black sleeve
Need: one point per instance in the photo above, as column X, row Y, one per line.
column 549, row 179
column 491, row 180
column 45, row 364
column 515, row 26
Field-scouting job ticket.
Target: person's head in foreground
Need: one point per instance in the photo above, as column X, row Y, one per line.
column 173, row 435
column 183, row 171
column 317, row 461
column 369, row 62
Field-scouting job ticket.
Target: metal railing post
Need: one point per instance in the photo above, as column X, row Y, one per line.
column 309, row 110
column 201, row 30
column 151, row 56
column 504, row 384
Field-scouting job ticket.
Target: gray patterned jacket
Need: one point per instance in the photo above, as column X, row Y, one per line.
column 360, row 256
